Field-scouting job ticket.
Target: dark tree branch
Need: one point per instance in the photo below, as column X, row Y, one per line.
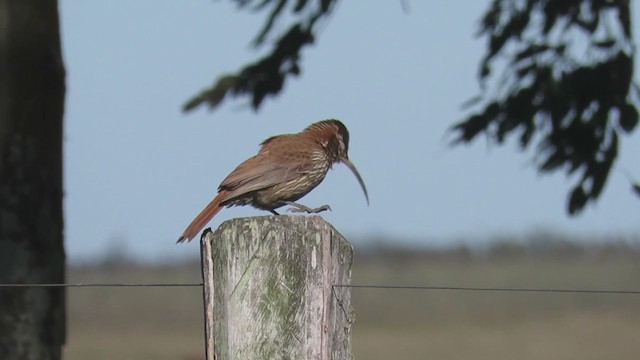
column 577, row 106
column 267, row 75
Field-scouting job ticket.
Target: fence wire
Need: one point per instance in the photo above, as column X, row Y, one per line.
column 79, row 285
column 353, row 286
column 493, row 289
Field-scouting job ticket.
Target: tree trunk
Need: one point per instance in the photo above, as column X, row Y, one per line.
column 32, row 90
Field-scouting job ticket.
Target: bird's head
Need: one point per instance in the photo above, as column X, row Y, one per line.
column 334, row 137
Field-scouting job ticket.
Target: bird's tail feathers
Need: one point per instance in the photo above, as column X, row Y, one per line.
column 202, row 219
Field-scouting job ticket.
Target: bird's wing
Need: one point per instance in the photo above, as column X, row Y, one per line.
column 274, row 164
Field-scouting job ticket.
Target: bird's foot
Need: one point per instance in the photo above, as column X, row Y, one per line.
column 298, row 208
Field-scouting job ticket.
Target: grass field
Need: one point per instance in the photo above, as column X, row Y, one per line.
column 166, row 323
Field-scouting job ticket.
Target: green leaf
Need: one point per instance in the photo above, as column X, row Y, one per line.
column 577, row 200
column 628, row 117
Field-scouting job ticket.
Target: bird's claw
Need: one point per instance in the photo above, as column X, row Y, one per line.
column 301, row 208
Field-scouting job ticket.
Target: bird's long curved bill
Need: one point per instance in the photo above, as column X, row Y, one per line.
column 357, row 174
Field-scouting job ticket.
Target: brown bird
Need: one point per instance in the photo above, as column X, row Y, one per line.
column 286, row 168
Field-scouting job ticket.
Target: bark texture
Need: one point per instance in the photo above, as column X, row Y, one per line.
column 32, row 90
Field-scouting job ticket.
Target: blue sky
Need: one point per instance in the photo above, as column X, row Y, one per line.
column 137, row 170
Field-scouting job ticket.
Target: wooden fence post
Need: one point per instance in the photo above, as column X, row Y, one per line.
column 268, row 289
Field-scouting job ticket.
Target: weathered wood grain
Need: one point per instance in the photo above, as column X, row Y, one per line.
column 273, row 297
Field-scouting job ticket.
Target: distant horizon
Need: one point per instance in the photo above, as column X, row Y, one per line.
column 379, row 244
